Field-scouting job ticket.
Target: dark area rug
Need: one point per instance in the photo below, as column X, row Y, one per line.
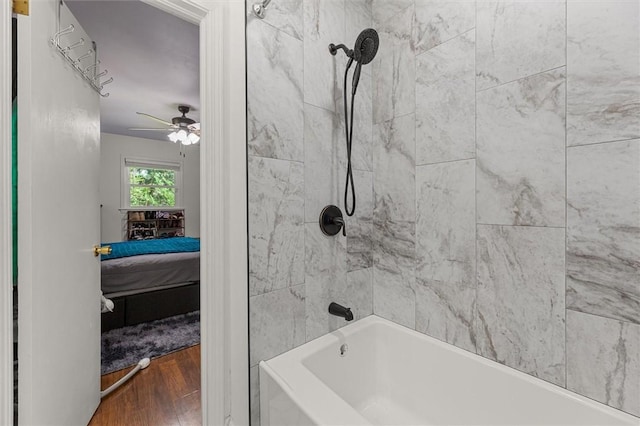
column 124, row 347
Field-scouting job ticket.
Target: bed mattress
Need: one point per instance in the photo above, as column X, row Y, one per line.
column 149, row 271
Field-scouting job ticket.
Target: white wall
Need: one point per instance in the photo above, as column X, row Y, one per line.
column 113, row 148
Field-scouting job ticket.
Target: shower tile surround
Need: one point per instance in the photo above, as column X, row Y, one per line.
column 520, row 150
column 497, row 169
column 297, row 166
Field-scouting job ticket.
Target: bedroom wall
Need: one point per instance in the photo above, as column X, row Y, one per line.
column 113, row 148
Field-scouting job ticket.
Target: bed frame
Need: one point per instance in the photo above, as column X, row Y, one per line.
column 143, row 307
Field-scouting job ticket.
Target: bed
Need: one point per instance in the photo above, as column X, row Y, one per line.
column 150, row 279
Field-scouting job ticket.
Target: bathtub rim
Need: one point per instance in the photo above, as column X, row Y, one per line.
column 311, row 397
column 300, row 391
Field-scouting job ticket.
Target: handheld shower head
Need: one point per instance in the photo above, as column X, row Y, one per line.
column 366, row 46
column 363, row 52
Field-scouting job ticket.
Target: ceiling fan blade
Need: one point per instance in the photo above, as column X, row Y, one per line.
column 168, row 123
column 159, row 130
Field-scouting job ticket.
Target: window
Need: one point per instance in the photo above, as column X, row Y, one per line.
column 148, row 183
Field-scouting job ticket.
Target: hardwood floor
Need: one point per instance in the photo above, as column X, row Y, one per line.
column 165, row 393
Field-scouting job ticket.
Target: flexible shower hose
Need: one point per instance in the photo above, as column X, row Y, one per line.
column 349, row 136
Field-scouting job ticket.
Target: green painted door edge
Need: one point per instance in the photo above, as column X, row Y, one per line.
column 14, row 188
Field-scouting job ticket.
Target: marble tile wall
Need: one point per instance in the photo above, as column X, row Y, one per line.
column 603, row 83
column 394, row 219
column 520, row 144
column 445, row 249
column 445, row 99
column 360, row 226
column 497, row 168
column 274, row 117
column 324, row 23
column 297, row 166
column 512, row 229
column 603, row 214
column 520, row 299
column 516, row 39
column 603, row 361
column 394, row 66
column 276, row 242
column 603, row 202
column 438, row 21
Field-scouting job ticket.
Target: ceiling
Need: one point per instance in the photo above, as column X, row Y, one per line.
column 153, row 58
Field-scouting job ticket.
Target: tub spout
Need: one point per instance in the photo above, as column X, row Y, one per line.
column 340, row 311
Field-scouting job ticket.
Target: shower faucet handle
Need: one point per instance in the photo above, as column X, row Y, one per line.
column 331, row 221
column 340, row 222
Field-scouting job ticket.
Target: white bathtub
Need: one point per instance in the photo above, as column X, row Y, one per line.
column 391, row 375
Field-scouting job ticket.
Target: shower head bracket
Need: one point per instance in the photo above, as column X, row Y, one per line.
column 333, row 49
column 259, row 8
column 365, row 48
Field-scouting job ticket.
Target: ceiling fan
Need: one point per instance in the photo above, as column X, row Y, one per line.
column 181, row 129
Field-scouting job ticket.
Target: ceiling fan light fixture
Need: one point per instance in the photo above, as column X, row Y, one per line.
column 193, row 138
column 182, row 129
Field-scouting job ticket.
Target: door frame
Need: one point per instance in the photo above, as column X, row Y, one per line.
column 6, row 264
column 223, row 209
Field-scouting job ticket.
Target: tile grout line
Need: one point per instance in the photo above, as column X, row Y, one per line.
column 448, row 161
column 475, row 176
column 276, row 28
column 522, row 78
column 394, row 118
column 446, row 41
column 415, row 174
column 288, row 287
column 304, row 180
column 275, row 159
column 608, row 318
column 566, row 185
column 520, row 226
column 373, row 189
column 319, row 107
column 637, row 138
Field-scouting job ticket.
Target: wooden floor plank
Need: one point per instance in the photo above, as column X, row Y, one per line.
column 190, row 418
column 188, row 403
column 165, row 393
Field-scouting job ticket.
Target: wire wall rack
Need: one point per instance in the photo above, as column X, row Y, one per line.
column 82, row 63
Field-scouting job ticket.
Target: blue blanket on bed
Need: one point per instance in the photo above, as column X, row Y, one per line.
column 159, row 246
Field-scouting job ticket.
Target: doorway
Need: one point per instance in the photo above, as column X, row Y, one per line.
column 149, row 208
column 224, row 202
